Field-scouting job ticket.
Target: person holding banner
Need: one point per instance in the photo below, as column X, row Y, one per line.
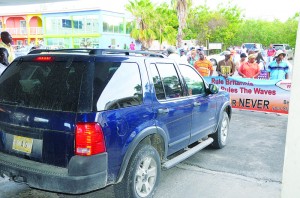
column 249, row 69
column 278, row 69
column 226, row 67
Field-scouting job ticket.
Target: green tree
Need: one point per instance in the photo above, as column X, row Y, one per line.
column 143, row 11
column 182, row 12
column 166, row 24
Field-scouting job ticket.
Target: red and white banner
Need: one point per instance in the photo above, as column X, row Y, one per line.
column 256, row 95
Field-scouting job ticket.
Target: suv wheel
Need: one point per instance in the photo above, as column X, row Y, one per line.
column 142, row 175
column 220, row 136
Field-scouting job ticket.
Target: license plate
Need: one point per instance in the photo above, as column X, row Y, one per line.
column 22, row 144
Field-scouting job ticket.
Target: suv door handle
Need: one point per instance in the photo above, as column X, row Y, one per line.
column 163, row 110
column 196, row 104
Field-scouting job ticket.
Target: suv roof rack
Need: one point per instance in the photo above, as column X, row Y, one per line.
column 100, row 52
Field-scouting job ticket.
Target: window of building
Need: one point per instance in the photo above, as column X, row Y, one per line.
column 113, row 24
column 77, row 24
column 129, row 26
column 66, row 23
column 86, row 42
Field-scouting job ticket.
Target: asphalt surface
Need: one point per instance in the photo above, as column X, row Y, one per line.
column 250, row 166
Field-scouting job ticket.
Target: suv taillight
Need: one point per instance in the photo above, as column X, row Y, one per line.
column 89, row 139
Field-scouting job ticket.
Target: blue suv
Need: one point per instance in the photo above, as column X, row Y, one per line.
column 77, row 120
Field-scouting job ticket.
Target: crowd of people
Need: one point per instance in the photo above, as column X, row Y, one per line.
column 248, row 63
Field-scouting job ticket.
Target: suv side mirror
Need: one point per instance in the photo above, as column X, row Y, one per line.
column 213, row 88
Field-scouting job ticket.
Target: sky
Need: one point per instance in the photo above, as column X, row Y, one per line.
column 255, row 9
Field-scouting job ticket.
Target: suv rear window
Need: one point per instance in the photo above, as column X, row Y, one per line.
column 42, row 85
column 116, row 85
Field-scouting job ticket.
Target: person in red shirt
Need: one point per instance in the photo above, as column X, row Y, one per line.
column 249, row 69
column 271, row 54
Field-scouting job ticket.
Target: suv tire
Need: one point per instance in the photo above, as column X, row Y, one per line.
column 142, row 174
column 220, row 136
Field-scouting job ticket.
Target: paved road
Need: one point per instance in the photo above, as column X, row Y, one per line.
column 250, row 166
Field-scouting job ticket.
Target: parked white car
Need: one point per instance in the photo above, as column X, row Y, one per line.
column 216, row 58
column 286, row 49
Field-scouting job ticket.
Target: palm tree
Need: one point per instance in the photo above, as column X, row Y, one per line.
column 143, row 11
column 182, row 11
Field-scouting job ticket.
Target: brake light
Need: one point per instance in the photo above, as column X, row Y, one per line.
column 89, row 139
column 44, row 59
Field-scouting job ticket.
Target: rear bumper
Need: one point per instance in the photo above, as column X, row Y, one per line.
column 84, row 174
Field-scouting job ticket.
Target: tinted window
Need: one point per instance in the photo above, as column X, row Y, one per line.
column 194, row 82
column 116, row 85
column 43, row 85
column 159, row 89
column 170, row 80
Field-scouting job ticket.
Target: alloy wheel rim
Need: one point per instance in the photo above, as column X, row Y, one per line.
column 145, row 177
column 224, row 130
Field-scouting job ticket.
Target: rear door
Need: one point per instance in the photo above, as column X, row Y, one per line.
column 38, row 105
column 173, row 110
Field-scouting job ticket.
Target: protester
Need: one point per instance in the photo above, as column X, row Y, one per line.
column 244, row 49
column 132, row 46
column 3, row 59
column 185, row 47
column 183, row 57
column 259, row 59
column 193, row 57
column 226, row 67
column 243, row 59
column 172, row 54
column 271, row 52
column 278, row 69
column 7, row 44
column 234, row 56
column 249, row 69
column 204, row 66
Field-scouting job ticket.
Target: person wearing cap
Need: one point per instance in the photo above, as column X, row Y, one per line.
column 226, row 67
column 243, row 59
column 278, row 69
column 183, row 57
column 204, row 66
column 172, row 54
column 249, row 69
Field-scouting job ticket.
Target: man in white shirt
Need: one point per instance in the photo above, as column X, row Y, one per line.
column 3, row 59
column 172, row 54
